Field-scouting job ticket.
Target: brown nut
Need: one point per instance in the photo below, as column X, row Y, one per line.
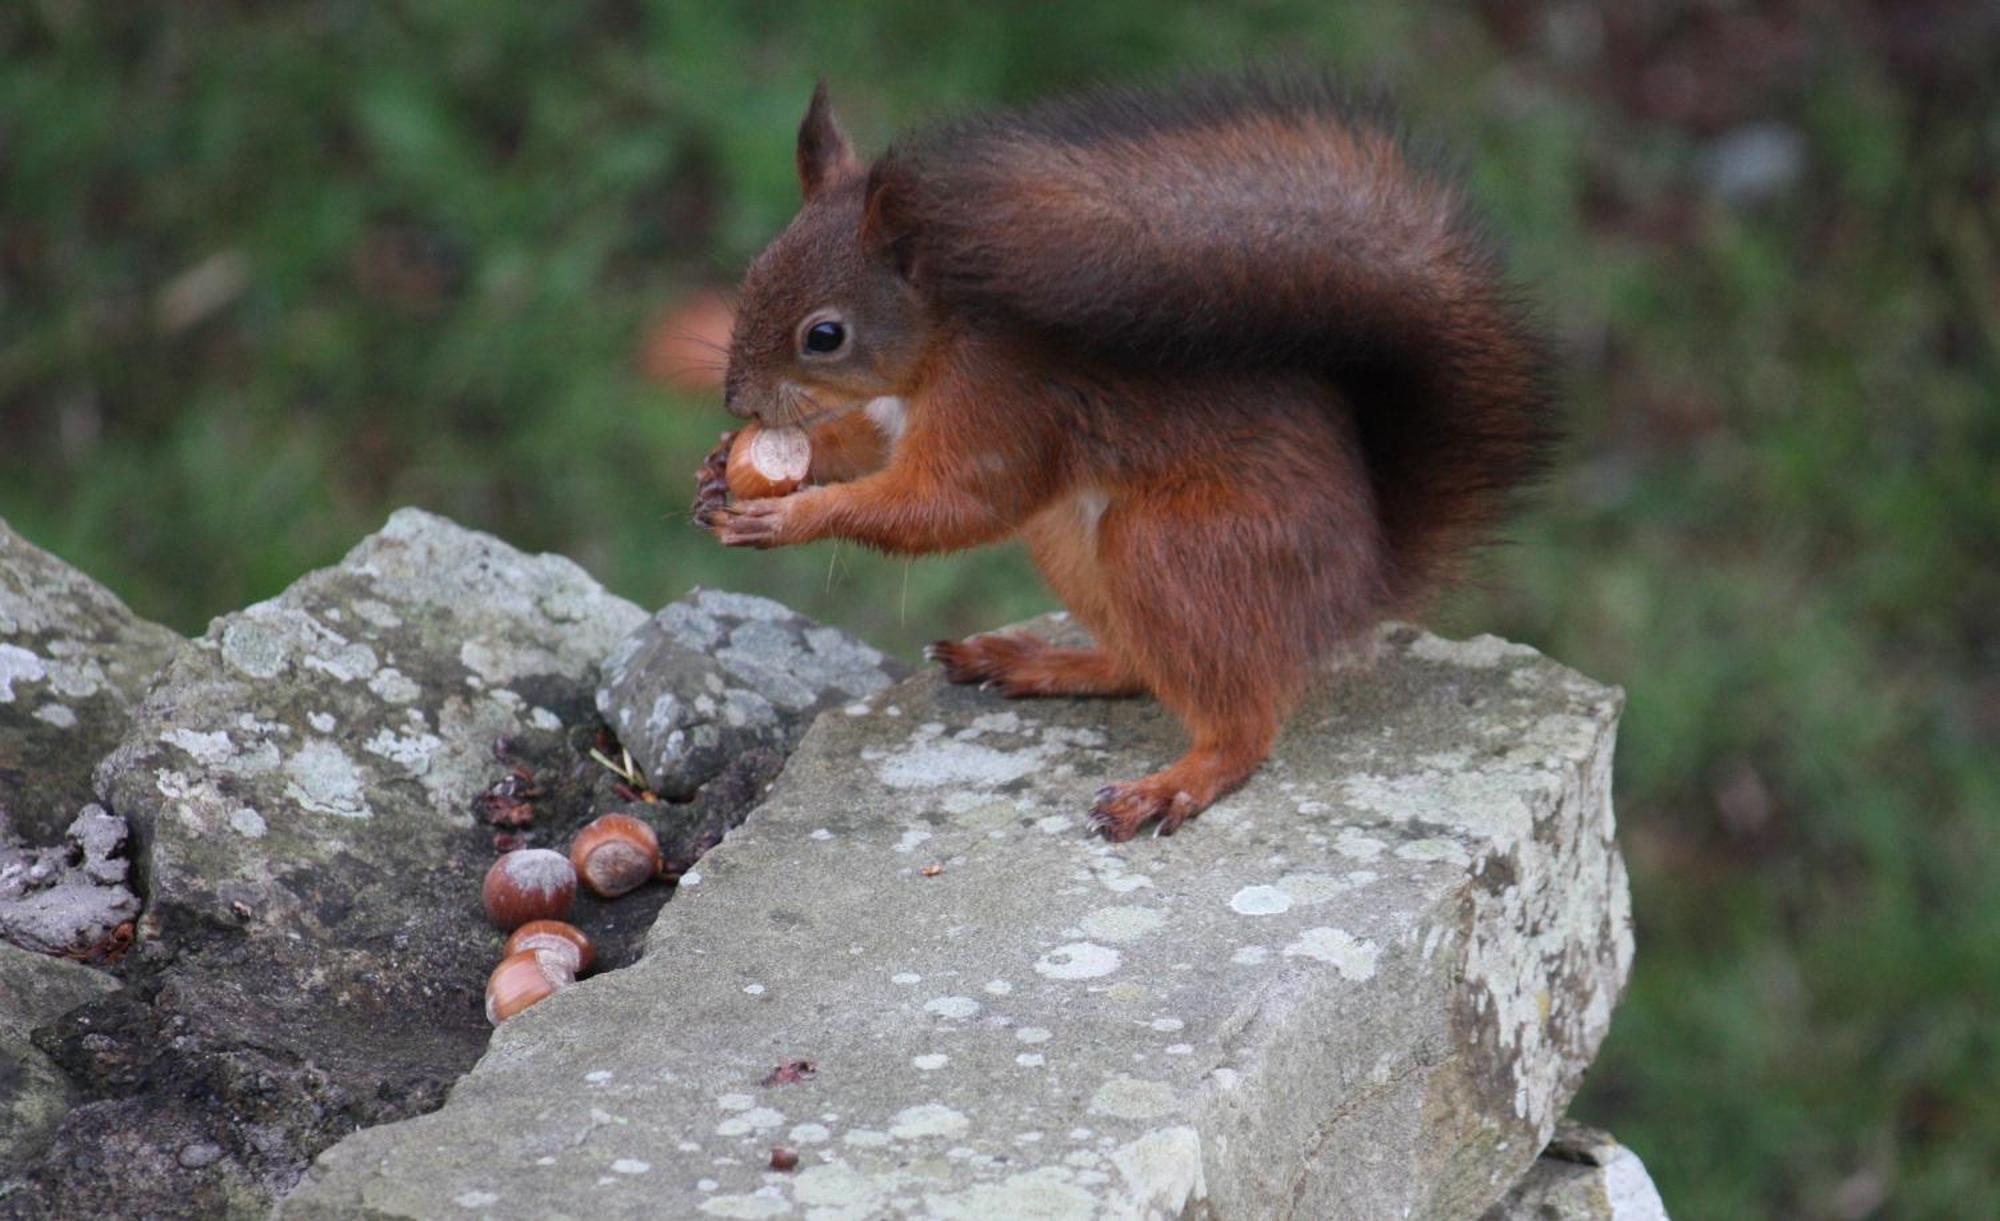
column 522, row 980
column 529, row 884
column 565, row 943
column 767, row 462
column 614, row 854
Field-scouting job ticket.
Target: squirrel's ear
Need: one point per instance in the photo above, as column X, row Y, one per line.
column 824, row 153
column 886, row 230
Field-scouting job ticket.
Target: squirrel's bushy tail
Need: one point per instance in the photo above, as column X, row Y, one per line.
column 1246, row 223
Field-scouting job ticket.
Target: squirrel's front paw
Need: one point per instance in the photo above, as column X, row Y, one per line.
column 711, row 483
column 758, row 523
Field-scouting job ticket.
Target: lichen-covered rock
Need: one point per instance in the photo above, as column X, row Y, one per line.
column 1365, row 985
column 34, row 1095
column 301, row 782
column 72, row 898
column 1584, row 1175
column 73, row 662
column 715, row 674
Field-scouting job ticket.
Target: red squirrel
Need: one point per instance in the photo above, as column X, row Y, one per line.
column 1241, row 371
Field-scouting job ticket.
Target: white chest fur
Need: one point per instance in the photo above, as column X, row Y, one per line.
column 890, row 415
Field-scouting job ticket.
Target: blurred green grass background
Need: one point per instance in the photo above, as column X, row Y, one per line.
column 267, row 272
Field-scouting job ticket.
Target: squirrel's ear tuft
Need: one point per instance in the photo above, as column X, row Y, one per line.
column 887, row 231
column 824, row 153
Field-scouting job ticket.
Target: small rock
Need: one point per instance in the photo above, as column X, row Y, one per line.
column 69, row 899
column 715, row 674
column 194, row 1157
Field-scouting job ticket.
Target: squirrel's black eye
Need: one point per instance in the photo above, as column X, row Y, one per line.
column 825, row 337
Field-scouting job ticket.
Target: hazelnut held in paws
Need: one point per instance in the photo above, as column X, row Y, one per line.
column 768, row 462
column 1243, row 373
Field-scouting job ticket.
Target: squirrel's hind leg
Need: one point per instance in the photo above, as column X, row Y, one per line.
column 1223, row 757
column 1212, row 590
column 1017, row 664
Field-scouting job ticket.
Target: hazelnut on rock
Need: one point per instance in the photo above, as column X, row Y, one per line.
column 522, row 980
column 767, row 462
column 615, row 854
column 565, row 943
column 529, row 884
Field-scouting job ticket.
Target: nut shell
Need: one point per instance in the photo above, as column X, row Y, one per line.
column 766, row 462
column 522, row 980
column 615, row 854
column 563, row 942
column 528, row 884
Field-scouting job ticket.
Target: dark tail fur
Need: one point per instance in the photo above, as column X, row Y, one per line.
column 1245, row 223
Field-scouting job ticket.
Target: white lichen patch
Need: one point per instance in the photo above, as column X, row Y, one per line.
column 497, row 661
column 930, row 1062
column 1122, row 923
column 392, row 686
column 1132, row 1098
column 1162, row 1172
column 1033, row 1034
column 1478, row 653
column 1078, row 960
column 1250, row 955
column 344, row 663
column 412, row 751
column 957, row 1008
column 630, row 1165
column 937, row 763
column 325, row 780
column 1050, row 1193
column 208, row 749
column 1435, row 848
column 1312, row 889
column 247, row 823
column 838, row 1192
column 929, row 1119
column 59, row 715
column 1260, row 901
column 1353, row 844
column 1352, row 957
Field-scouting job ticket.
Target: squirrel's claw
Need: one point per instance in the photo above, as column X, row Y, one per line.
column 711, row 484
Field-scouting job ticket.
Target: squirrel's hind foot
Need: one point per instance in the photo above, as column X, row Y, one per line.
column 1122, row 809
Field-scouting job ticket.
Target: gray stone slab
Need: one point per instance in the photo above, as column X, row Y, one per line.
column 1583, row 1175
column 73, row 663
column 1366, row 985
